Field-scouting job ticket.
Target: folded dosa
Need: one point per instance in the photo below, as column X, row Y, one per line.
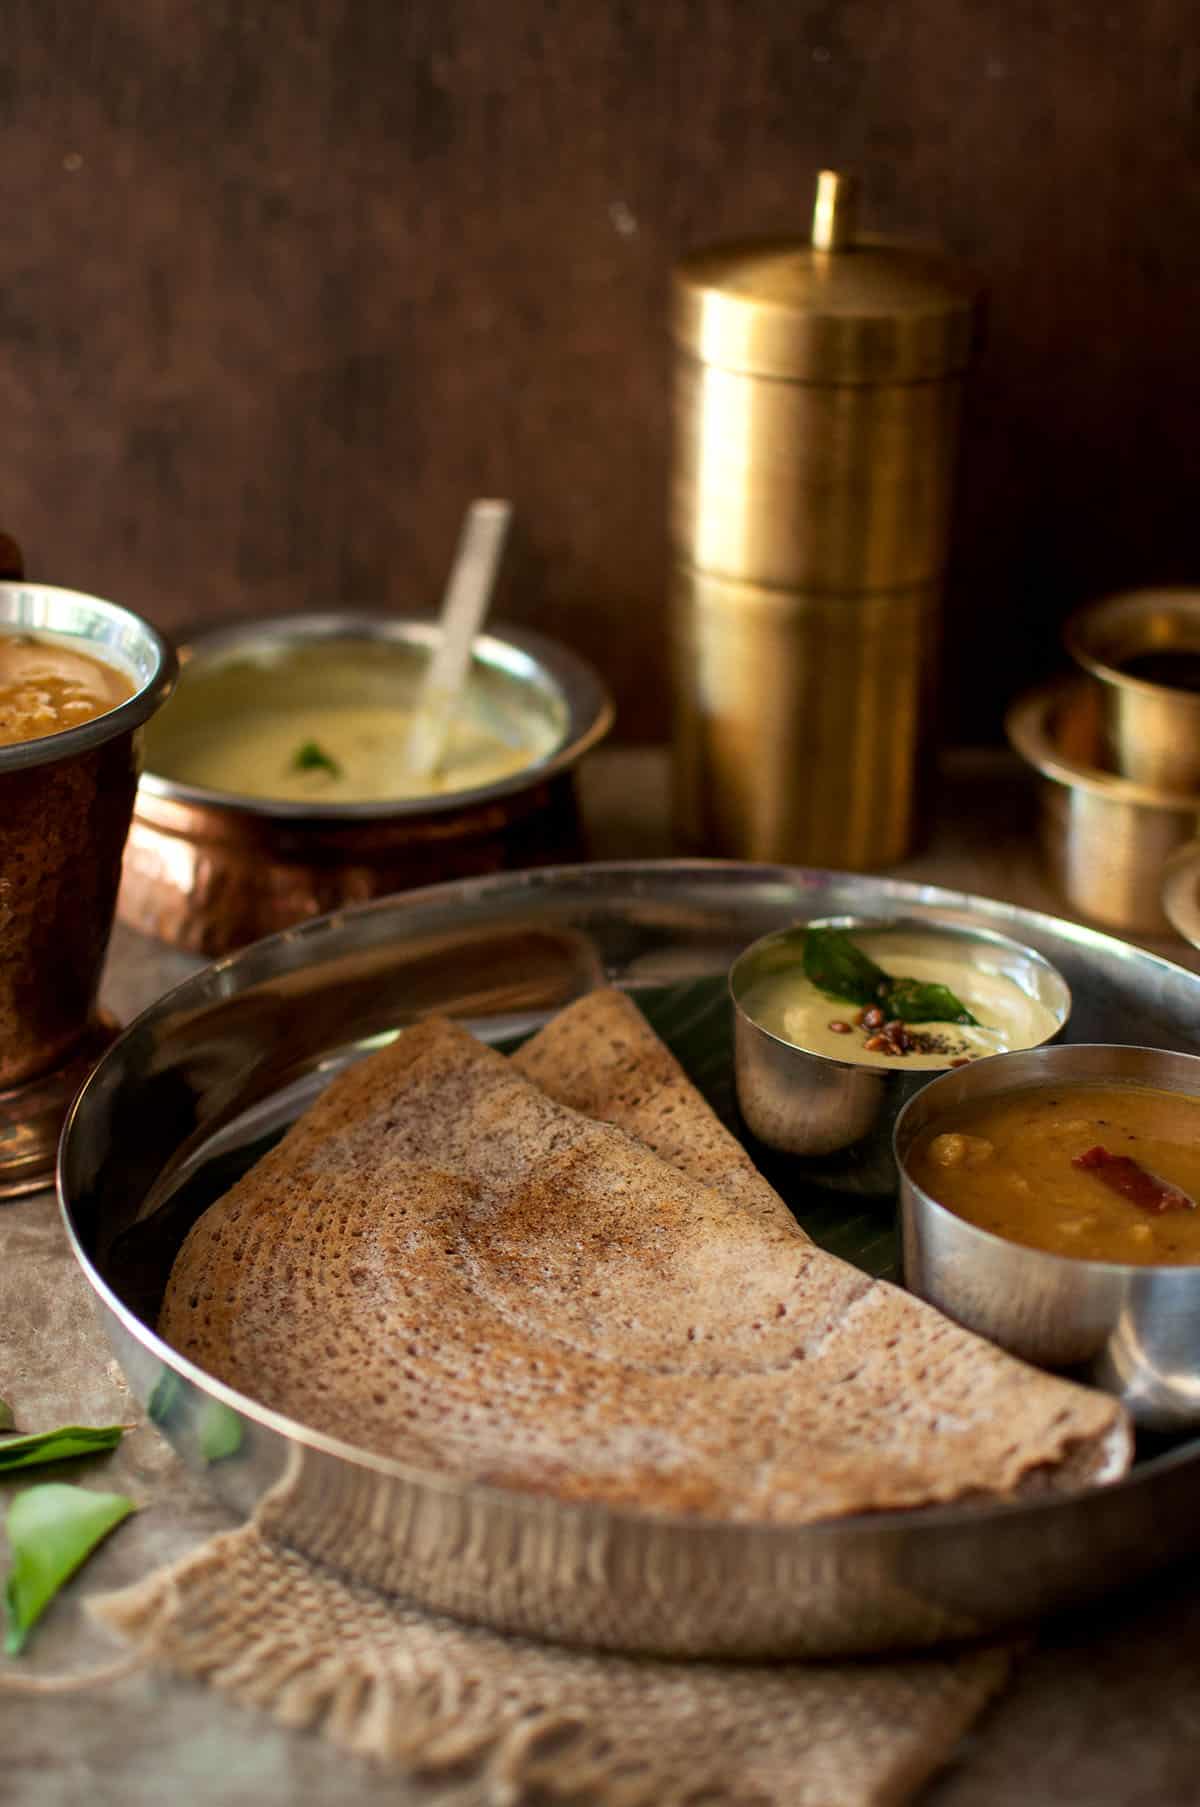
column 601, row 1057
column 441, row 1263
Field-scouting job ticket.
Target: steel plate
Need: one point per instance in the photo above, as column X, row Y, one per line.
column 175, row 1108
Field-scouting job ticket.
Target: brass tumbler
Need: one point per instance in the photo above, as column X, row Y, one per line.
column 65, row 804
column 1142, row 649
column 817, row 397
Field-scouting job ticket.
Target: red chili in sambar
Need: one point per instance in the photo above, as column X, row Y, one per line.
column 1025, row 1165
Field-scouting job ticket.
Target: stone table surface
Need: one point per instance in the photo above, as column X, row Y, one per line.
column 1104, row 1711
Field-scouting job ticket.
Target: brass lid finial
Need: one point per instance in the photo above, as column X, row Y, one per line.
column 835, row 214
column 843, row 306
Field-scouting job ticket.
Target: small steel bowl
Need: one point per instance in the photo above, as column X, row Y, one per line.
column 1104, row 839
column 838, row 1115
column 210, row 870
column 1150, row 728
column 1135, row 1331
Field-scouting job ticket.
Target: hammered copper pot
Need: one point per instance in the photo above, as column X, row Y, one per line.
column 65, row 805
column 209, row 871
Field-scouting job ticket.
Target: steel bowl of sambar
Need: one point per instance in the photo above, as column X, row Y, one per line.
column 1050, row 1200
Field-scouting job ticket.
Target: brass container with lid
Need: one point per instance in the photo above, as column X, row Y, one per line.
column 817, row 399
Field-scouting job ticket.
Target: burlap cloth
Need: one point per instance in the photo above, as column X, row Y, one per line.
column 533, row 1722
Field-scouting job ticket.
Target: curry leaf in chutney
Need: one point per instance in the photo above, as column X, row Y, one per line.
column 915, row 1001
column 840, row 969
column 310, row 756
column 7, row 1421
column 52, row 1530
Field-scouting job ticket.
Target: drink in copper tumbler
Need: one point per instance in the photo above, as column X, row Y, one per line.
column 78, row 678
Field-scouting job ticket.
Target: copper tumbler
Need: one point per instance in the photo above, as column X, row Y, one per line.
column 817, row 390
column 65, row 805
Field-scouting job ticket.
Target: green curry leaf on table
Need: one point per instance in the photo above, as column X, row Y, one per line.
column 52, row 1528
column 58, row 1445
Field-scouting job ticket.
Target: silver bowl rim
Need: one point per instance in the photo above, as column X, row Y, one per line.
column 69, row 743
column 874, row 923
column 275, row 954
column 586, row 697
column 1026, row 726
column 1049, row 1053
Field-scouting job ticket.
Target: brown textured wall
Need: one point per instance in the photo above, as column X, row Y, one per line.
column 284, row 282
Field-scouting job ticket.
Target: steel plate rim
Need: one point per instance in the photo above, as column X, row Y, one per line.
column 279, row 948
